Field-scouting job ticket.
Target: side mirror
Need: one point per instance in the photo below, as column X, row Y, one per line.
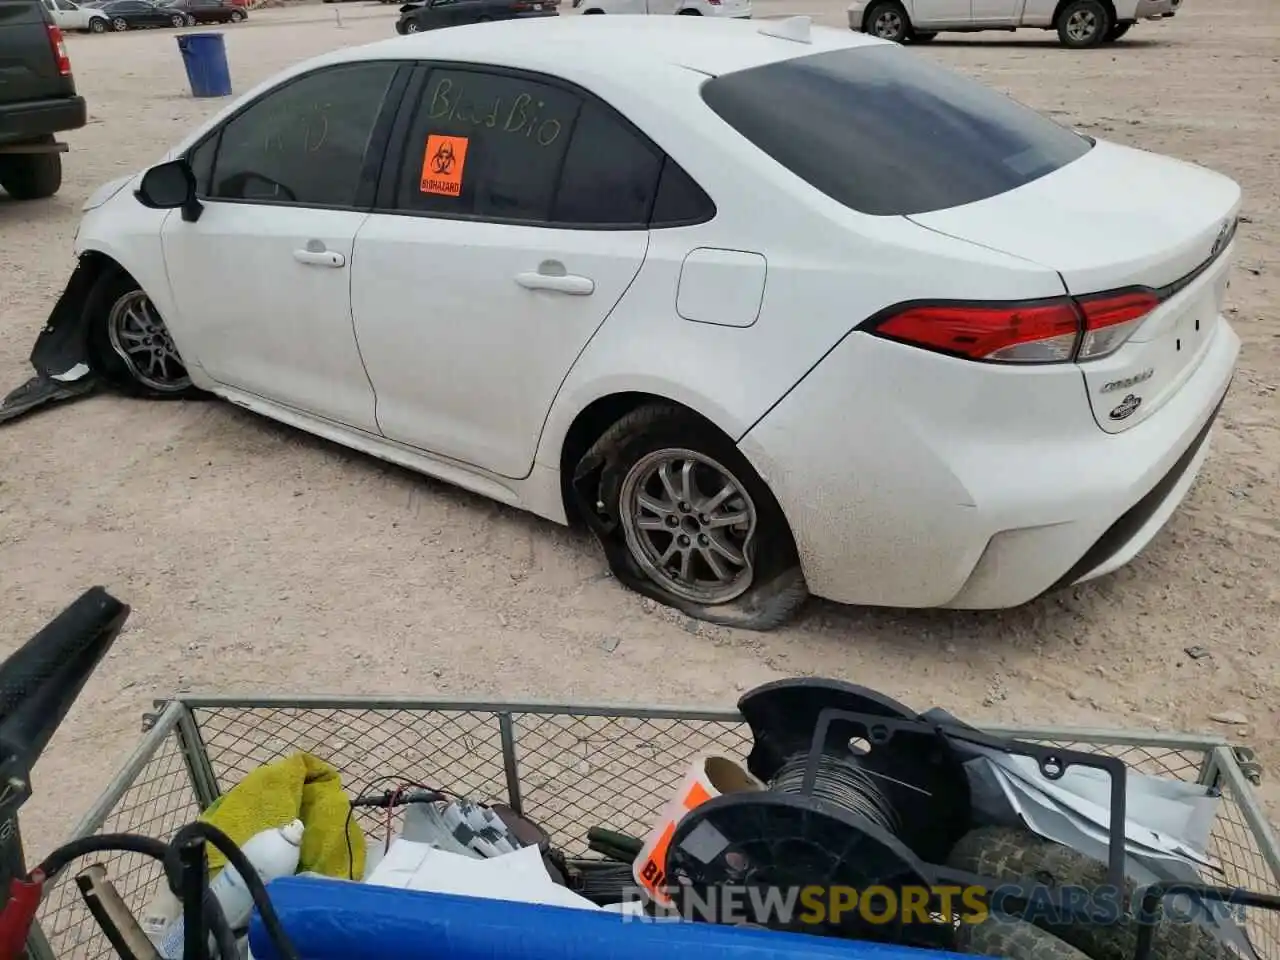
column 170, row 186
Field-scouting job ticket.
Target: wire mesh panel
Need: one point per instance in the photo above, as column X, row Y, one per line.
column 569, row 768
column 157, row 802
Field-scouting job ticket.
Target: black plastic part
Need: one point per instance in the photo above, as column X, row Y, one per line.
column 195, row 871
column 42, row 679
column 764, row 841
column 783, row 714
column 64, row 340
column 40, row 391
column 922, row 777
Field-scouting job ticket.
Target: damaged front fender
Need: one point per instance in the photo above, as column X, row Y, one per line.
column 61, row 355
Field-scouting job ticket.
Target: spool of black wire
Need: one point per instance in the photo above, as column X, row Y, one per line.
column 843, row 784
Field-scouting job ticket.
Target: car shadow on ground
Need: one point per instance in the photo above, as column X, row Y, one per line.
column 896, row 631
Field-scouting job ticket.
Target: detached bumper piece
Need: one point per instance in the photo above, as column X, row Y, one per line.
column 41, row 390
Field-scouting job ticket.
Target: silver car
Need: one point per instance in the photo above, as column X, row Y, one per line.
column 1080, row 23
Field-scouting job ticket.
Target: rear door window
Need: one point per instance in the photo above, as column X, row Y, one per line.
column 886, row 132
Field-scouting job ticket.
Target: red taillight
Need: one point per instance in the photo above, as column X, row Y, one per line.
column 59, row 50
column 1044, row 331
column 1110, row 319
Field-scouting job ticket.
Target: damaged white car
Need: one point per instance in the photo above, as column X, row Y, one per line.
column 774, row 309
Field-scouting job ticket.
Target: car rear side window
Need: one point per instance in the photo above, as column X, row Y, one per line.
column 886, row 132
column 487, row 145
column 610, row 175
column 304, row 143
column 509, row 147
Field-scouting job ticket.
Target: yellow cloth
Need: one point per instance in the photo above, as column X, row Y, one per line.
column 302, row 787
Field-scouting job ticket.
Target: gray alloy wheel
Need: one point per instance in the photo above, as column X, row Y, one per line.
column 142, row 342
column 97, row 25
column 689, row 524
column 119, row 24
column 889, row 22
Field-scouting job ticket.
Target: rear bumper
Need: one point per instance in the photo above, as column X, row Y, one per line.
column 38, row 118
column 941, row 496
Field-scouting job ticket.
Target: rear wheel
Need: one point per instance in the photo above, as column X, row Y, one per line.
column 97, row 25
column 888, row 21
column 684, row 519
column 1118, row 31
column 1083, row 23
column 130, row 342
column 31, row 176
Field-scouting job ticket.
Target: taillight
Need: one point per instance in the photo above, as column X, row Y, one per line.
column 1110, row 319
column 59, row 50
column 1041, row 331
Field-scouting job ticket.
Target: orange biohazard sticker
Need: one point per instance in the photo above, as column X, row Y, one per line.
column 442, row 164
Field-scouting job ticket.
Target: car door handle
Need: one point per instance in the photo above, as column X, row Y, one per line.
column 560, row 283
column 320, row 258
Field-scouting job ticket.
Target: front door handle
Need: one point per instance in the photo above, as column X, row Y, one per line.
column 320, row 258
column 559, row 282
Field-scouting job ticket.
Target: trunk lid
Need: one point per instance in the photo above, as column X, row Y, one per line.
column 1118, row 218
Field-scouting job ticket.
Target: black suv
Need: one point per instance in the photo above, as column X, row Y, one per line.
column 37, row 99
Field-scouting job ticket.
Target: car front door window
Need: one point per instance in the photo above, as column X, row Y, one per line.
column 262, row 277
column 303, row 144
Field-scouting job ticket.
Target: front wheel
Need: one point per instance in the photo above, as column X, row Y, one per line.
column 131, row 344
column 97, row 25
column 119, row 24
column 31, row 176
column 1083, row 24
column 236, row 16
column 178, row 20
column 889, row 21
column 412, row 26
column 684, row 519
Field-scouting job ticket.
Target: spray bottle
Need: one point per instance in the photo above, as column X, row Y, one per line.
column 273, row 853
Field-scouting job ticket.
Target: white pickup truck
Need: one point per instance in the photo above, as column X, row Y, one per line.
column 1080, row 23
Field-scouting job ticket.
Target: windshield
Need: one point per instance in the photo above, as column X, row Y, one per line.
column 884, row 131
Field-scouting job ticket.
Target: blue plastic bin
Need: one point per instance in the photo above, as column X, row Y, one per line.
column 205, row 57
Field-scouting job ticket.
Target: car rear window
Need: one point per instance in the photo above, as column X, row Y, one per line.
column 886, row 132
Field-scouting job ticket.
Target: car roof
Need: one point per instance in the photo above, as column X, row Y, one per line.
column 575, row 44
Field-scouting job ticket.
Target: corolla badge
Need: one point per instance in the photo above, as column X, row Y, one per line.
column 1126, row 408
column 1132, row 381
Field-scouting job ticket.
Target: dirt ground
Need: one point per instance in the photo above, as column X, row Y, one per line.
column 258, row 559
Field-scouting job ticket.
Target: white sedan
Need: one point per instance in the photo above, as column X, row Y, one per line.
column 773, row 309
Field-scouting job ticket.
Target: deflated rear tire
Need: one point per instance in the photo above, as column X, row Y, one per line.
column 129, row 342
column 684, row 519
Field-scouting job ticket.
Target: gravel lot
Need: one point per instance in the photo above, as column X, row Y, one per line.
column 258, row 559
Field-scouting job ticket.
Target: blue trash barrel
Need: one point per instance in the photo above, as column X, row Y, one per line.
column 205, row 57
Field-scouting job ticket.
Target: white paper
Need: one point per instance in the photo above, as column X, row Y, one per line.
column 519, row 876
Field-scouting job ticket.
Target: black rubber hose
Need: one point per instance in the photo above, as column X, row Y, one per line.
column 236, row 858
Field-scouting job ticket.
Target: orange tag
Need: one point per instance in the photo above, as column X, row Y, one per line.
column 442, row 165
